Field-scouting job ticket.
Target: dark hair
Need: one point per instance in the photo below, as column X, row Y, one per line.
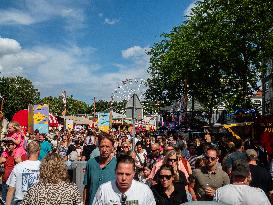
column 240, row 168
column 127, row 159
column 139, row 143
column 238, row 143
column 166, row 167
column 213, row 148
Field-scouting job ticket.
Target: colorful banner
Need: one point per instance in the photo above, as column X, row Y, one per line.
column 40, row 118
column 104, row 121
column 69, row 124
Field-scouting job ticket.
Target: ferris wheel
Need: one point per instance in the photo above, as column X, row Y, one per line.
column 128, row 87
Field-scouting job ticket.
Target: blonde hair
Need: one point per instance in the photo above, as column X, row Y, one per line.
column 16, row 126
column 53, row 169
column 168, row 155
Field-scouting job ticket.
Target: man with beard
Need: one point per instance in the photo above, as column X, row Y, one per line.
column 210, row 177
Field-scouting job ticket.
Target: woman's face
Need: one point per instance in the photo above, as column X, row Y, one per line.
column 146, row 172
column 125, row 147
column 11, row 128
column 172, row 160
column 166, row 178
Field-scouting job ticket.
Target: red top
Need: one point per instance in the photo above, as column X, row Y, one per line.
column 9, row 164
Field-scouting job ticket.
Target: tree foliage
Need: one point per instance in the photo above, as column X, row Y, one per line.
column 18, row 93
column 217, row 55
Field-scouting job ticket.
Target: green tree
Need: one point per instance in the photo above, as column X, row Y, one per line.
column 74, row 106
column 219, row 52
column 18, row 93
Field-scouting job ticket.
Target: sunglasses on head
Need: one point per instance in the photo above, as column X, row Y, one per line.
column 168, row 177
column 172, row 160
column 210, row 158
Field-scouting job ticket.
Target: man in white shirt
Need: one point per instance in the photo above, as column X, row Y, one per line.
column 124, row 190
column 24, row 175
column 239, row 192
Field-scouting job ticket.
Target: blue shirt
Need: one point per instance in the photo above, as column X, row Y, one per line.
column 95, row 176
column 45, row 148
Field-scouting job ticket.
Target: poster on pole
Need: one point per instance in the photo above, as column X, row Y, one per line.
column 40, row 118
column 69, row 124
column 30, row 128
column 104, row 121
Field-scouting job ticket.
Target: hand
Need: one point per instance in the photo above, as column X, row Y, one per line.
column 209, row 191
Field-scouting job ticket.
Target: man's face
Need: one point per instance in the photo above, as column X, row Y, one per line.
column 155, row 151
column 124, row 176
column 106, row 148
column 211, row 158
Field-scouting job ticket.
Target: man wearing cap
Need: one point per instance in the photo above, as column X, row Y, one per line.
column 261, row 178
column 239, row 192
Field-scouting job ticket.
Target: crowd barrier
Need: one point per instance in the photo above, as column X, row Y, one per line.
column 78, row 170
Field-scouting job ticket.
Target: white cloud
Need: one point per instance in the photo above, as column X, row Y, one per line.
column 111, row 21
column 36, row 11
column 14, row 16
column 8, row 46
column 69, row 67
column 188, row 10
column 134, row 51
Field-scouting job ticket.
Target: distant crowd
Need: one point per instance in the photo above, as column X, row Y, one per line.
column 150, row 168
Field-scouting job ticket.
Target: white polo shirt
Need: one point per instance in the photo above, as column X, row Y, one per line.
column 137, row 194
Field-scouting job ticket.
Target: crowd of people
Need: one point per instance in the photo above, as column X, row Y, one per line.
column 148, row 169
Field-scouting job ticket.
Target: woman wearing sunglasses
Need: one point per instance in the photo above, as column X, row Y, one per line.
column 171, row 159
column 167, row 191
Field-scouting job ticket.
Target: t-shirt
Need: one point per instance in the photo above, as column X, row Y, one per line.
column 261, row 178
column 95, row 176
column 87, row 150
column 9, row 165
column 241, row 195
column 23, row 176
column 139, row 193
column 45, row 148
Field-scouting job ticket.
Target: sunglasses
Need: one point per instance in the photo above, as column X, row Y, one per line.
column 168, row 177
column 172, row 160
column 123, row 199
column 125, row 146
column 210, row 158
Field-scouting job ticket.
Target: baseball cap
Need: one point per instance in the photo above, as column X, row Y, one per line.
column 251, row 154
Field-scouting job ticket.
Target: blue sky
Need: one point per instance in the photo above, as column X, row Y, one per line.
column 86, row 47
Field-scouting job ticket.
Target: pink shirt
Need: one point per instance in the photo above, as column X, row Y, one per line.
column 158, row 164
column 19, row 150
